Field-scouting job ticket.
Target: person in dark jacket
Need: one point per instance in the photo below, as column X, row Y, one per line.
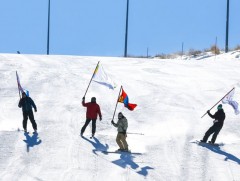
column 121, row 126
column 219, row 118
column 93, row 110
column 26, row 103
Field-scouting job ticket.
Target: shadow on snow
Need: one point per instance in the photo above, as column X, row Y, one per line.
column 218, row 150
column 126, row 159
column 31, row 141
column 96, row 144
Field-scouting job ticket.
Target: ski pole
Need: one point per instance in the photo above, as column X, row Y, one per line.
column 135, row 133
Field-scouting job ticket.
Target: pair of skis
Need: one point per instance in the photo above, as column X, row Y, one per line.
column 26, row 132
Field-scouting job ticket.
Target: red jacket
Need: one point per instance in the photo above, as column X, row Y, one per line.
column 93, row 110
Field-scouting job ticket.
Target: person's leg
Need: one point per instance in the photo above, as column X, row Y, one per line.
column 124, row 142
column 214, row 137
column 208, row 133
column 93, row 126
column 25, row 118
column 31, row 117
column 85, row 125
column 118, row 140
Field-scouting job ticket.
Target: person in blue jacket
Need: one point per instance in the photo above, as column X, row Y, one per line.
column 26, row 103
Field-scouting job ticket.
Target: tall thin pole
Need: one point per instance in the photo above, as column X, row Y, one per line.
column 216, row 45
column 126, row 31
column 48, row 33
column 91, row 78
column 18, row 85
column 227, row 28
column 215, row 48
column 182, row 49
column 219, row 101
column 117, row 103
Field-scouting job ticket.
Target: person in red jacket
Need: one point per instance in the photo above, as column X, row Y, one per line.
column 93, row 110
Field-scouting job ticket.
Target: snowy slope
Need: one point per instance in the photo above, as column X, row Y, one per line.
column 172, row 95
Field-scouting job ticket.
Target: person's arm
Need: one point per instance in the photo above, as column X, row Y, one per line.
column 20, row 103
column 212, row 116
column 114, row 124
column 99, row 113
column 33, row 104
column 125, row 126
column 83, row 102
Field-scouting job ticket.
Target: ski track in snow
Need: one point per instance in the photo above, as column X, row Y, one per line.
column 171, row 95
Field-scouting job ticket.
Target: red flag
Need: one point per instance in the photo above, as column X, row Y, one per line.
column 123, row 98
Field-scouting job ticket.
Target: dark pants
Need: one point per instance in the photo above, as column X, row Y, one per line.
column 26, row 115
column 86, row 124
column 214, row 129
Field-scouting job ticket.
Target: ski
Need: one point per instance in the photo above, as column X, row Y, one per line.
column 27, row 132
column 21, row 130
column 85, row 137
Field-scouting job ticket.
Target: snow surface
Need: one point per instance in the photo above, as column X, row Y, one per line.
column 172, row 95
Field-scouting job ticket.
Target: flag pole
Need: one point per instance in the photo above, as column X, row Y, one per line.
column 219, row 101
column 117, row 103
column 18, row 86
column 91, row 78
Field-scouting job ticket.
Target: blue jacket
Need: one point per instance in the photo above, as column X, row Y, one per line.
column 26, row 104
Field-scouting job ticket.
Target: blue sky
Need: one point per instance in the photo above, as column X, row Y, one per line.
column 97, row 28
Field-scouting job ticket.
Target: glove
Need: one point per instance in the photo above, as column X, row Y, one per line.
column 35, row 110
column 112, row 122
column 208, row 111
column 83, row 99
column 100, row 118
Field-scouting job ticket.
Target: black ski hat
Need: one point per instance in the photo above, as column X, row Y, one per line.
column 93, row 99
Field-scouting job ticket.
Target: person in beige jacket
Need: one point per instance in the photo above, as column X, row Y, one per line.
column 122, row 126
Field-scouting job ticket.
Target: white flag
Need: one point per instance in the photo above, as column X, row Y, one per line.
column 20, row 88
column 228, row 99
column 102, row 78
column 19, row 84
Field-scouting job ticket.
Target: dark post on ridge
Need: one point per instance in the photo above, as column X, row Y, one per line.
column 126, row 32
column 227, row 27
column 48, row 33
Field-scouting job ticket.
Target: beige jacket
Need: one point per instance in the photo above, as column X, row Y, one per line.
column 122, row 125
